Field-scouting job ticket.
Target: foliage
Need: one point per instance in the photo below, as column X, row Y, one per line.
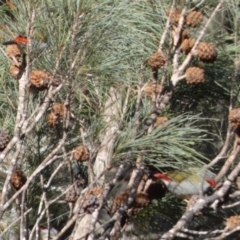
column 97, row 57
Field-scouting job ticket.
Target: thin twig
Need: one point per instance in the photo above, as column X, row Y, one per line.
column 167, row 26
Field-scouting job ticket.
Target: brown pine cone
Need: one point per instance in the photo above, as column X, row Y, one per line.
column 119, row 201
column 160, row 121
column 175, row 15
column 194, row 18
column 18, row 179
column 81, row 153
column 4, row 139
column 157, row 60
column 10, row 4
column 58, row 109
column 52, row 119
column 141, row 200
column 71, row 195
column 194, row 75
column 14, row 52
column 186, row 45
column 234, row 117
column 16, row 71
column 39, row 79
column 232, row 222
column 96, row 191
column 206, row 52
column 150, row 87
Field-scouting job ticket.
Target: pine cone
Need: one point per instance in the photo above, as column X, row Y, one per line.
column 81, row 153
column 52, row 119
column 40, row 79
column 71, row 195
column 157, row 60
column 58, row 109
column 4, row 139
column 186, row 45
column 141, row 200
column 185, row 34
column 175, row 16
column 119, row 201
column 16, row 71
column 14, row 51
column 206, row 52
column 96, row 191
column 10, row 4
column 194, row 18
column 232, row 222
column 149, row 89
column 194, row 75
column 234, row 117
column 18, row 179
column 160, row 121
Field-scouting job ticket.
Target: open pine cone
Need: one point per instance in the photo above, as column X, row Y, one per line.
column 186, row 45
column 58, row 109
column 160, row 121
column 184, row 35
column 119, row 201
column 10, row 4
column 18, row 179
column 141, row 200
column 157, row 60
column 40, row 79
column 195, row 75
column 150, row 87
column 14, row 52
column 71, row 195
column 16, row 71
column 234, row 117
column 81, row 153
column 206, row 52
column 4, row 139
column 52, row 119
column 96, row 191
column 194, row 18
column 175, row 15
column 232, row 222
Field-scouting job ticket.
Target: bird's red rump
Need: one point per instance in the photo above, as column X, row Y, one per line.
column 21, row 39
column 211, row 182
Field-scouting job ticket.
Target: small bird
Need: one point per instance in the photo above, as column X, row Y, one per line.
column 21, row 40
column 184, row 184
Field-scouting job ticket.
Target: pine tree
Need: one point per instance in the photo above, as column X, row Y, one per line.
column 97, row 95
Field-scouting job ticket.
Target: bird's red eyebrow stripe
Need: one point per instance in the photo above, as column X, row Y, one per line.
column 211, row 182
column 161, row 176
column 21, row 39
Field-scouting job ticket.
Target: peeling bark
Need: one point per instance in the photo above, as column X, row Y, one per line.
column 111, row 115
